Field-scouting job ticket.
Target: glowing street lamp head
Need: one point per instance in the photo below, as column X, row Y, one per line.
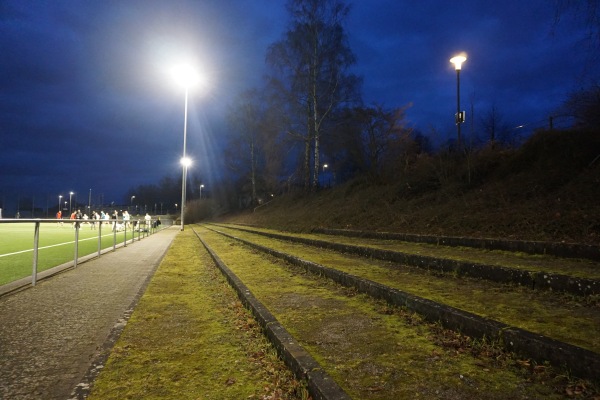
column 185, row 161
column 458, row 60
column 185, row 75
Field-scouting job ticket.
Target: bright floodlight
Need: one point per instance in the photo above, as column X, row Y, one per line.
column 185, row 75
column 457, row 61
column 186, row 161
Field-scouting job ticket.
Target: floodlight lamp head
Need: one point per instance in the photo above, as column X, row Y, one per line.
column 184, row 75
column 458, row 60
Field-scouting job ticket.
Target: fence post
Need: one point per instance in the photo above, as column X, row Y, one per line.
column 76, row 245
column 99, row 237
column 114, row 225
column 36, row 240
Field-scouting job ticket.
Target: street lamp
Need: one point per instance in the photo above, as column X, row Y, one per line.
column 185, row 76
column 59, row 198
column 70, row 207
column 131, row 203
column 460, row 115
column 201, row 186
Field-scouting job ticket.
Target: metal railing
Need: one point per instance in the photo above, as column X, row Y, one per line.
column 127, row 228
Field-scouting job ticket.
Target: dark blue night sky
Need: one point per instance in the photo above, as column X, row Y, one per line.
column 86, row 101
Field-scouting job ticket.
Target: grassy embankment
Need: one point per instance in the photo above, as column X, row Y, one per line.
column 546, row 190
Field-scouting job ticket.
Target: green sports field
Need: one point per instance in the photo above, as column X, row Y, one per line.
column 56, row 246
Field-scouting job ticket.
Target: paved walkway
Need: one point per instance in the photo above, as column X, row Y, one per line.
column 54, row 337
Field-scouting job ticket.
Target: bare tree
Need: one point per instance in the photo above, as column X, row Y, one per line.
column 246, row 117
column 371, row 139
column 495, row 128
column 312, row 64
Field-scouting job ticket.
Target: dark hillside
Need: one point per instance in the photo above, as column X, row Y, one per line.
column 549, row 189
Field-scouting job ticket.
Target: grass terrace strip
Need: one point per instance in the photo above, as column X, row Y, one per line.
column 304, row 366
column 569, row 250
column 581, row 362
column 533, row 279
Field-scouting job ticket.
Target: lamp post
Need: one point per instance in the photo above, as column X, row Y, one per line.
column 131, row 203
column 201, row 186
column 185, row 163
column 460, row 115
column 59, row 198
column 186, row 77
column 70, row 204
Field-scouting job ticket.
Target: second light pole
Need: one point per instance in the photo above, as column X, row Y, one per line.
column 460, row 115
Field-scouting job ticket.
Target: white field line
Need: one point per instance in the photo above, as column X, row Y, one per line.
column 53, row 245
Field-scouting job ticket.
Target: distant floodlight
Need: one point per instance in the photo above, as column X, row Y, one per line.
column 185, row 161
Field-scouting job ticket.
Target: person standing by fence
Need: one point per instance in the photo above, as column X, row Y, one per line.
column 147, row 218
column 115, row 216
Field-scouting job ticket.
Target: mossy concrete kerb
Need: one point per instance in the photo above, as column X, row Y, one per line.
column 580, row 362
column 320, row 385
column 532, row 279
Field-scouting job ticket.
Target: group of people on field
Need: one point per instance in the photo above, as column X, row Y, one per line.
column 105, row 218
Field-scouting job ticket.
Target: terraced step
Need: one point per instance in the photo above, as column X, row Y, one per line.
column 554, row 340
column 371, row 350
column 579, row 277
column 570, row 250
